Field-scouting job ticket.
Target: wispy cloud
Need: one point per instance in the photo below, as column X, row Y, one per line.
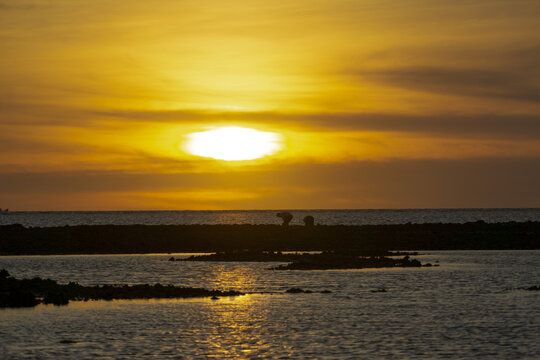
column 514, row 84
column 481, row 182
column 458, row 124
column 97, row 98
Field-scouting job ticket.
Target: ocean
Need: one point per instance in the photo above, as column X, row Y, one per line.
column 324, row 217
column 473, row 305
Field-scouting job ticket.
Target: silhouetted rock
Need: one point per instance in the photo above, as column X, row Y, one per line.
column 30, row 292
column 380, row 290
column 532, row 288
column 298, row 291
column 67, row 341
column 326, row 292
column 17, row 298
column 339, row 261
column 246, row 256
column 278, row 256
column 172, row 259
column 4, row 274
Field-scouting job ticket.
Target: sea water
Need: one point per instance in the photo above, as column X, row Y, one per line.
column 325, row 217
column 473, row 305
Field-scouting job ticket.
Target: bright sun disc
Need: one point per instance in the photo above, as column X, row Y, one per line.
column 233, row 143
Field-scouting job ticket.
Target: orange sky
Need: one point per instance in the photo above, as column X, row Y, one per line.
column 380, row 104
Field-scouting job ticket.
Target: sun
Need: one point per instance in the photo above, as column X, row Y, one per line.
column 233, row 143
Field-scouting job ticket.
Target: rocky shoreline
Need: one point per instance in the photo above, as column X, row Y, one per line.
column 31, row 292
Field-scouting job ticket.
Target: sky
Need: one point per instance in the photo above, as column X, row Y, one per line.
column 378, row 103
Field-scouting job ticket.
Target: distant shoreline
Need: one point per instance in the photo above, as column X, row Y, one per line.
column 277, row 209
column 142, row 239
column 350, row 217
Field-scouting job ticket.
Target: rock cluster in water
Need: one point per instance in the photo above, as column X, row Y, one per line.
column 325, row 260
column 247, row 255
column 30, row 292
column 531, row 288
column 328, row 261
column 296, row 290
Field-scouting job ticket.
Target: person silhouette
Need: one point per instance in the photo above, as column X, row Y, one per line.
column 309, row 220
column 286, row 217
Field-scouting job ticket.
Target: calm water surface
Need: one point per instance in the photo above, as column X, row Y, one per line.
column 470, row 306
column 325, row 217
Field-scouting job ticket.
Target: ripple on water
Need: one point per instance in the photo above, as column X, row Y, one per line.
column 467, row 307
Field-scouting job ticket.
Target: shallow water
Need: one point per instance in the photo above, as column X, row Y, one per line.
column 324, row 217
column 470, row 306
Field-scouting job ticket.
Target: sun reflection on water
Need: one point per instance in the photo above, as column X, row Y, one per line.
column 234, row 326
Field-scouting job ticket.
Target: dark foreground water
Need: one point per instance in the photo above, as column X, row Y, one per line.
column 325, row 217
column 469, row 307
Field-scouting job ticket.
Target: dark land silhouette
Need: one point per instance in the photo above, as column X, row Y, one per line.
column 326, row 260
column 246, row 255
column 132, row 239
column 31, row 292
